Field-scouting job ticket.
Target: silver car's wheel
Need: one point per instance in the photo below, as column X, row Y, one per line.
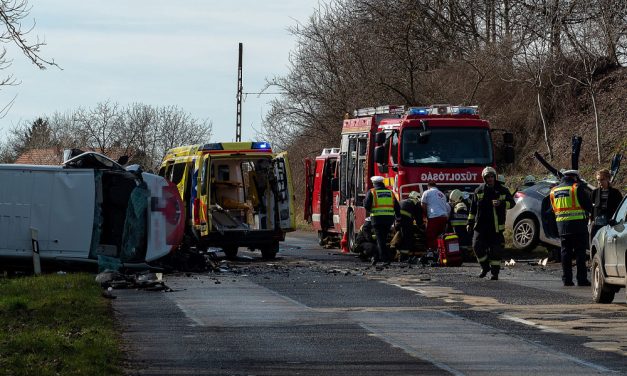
column 601, row 293
column 525, row 234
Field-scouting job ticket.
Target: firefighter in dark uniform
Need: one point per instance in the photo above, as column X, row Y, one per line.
column 366, row 241
column 459, row 219
column 486, row 221
column 383, row 208
column 411, row 212
column 571, row 204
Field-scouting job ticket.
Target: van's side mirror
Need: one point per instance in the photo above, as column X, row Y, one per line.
column 612, row 222
column 508, row 138
column 379, row 155
column 508, row 154
column 335, row 184
column 379, row 138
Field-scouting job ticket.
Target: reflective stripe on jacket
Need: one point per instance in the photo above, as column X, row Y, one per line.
column 459, row 218
column 483, row 215
column 566, row 204
column 382, row 202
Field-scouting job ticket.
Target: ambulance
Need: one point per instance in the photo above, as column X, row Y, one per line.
column 236, row 194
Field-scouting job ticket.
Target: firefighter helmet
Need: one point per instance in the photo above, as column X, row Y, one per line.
column 414, row 196
column 487, row 171
column 455, row 196
column 529, row 180
column 571, row 173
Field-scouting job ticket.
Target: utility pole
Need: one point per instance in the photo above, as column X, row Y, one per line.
column 238, row 117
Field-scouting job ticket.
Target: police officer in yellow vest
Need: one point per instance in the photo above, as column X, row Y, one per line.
column 486, row 221
column 383, row 208
column 571, row 204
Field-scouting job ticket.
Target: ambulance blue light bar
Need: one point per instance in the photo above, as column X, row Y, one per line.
column 212, row 146
column 261, row 145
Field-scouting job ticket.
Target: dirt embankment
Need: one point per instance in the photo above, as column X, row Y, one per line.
column 576, row 117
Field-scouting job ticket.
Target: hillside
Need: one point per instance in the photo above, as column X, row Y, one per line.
column 577, row 118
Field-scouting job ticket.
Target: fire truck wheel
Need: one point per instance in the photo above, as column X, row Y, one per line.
column 351, row 230
column 269, row 252
column 230, row 252
column 321, row 236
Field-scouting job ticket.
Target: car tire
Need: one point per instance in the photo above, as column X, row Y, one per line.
column 525, row 234
column 601, row 293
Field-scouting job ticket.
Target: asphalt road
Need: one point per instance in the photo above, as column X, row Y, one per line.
column 319, row 312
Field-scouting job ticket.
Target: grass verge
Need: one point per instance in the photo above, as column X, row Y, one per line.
column 56, row 325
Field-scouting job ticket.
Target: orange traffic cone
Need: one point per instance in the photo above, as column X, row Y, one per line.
column 344, row 243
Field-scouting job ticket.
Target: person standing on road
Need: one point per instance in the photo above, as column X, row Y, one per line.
column 383, row 208
column 605, row 201
column 486, row 221
column 437, row 209
column 570, row 204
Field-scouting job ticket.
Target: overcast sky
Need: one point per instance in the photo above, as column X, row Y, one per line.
column 156, row 52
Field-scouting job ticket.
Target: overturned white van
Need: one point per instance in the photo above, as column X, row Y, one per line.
column 89, row 207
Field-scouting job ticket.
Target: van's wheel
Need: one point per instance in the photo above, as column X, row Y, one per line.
column 601, row 293
column 269, row 252
column 230, row 252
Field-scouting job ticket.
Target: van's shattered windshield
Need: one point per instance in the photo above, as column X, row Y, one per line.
column 447, row 146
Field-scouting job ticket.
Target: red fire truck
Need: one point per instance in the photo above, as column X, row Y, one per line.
column 321, row 198
column 408, row 147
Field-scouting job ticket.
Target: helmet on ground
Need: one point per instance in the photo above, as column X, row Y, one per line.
column 376, row 179
column 529, row 179
column 456, row 195
column 571, row 173
column 460, row 206
column 487, row 171
column 414, row 196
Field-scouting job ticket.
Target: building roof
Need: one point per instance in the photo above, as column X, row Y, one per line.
column 54, row 156
column 47, row 156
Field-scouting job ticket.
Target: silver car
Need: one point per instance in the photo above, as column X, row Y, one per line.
column 532, row 220
column 608, row 252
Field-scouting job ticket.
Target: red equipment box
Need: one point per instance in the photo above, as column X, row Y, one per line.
column 449, row 253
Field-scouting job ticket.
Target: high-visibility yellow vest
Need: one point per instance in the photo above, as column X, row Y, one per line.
column 382, row 202
column 566, row 205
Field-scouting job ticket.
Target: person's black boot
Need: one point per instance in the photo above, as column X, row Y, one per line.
column 484, row 270
column 494, row 269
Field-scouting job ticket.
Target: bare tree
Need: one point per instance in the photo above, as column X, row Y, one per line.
column 141, row 124
column 176, row 128
column 12, row 15
column 586, row 54
column 101, row 127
